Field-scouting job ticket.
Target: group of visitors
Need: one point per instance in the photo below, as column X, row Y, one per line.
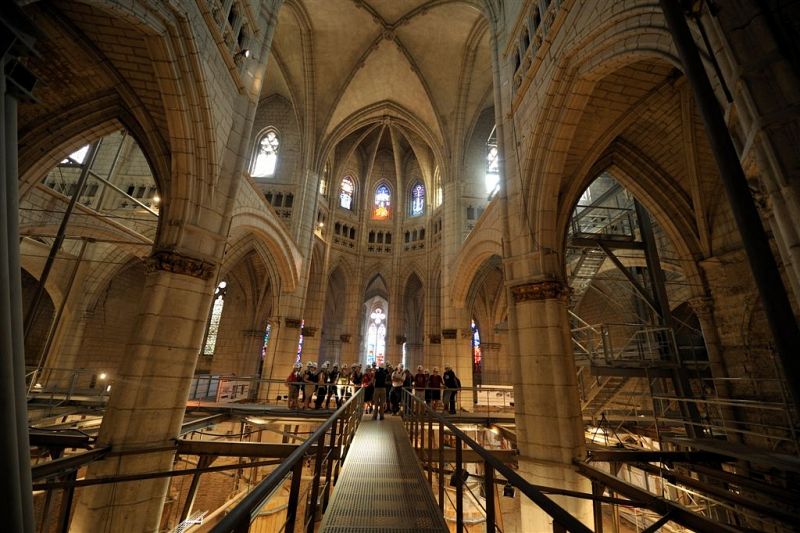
column 319, row 384
column 383, row 387
column 429, row 387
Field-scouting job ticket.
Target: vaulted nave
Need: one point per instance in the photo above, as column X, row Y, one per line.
column 400, row 265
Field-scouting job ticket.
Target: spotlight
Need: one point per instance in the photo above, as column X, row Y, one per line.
column 459, row 477
column 244, row 53
column 508, row 491
column 102, row 375
column 108, row 389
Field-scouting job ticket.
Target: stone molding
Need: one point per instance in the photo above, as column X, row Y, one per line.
column 449, row 334
column 540, row 290
column 171, row 261
column 293, row 323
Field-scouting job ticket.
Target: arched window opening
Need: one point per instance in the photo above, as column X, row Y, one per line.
column 376, row 337
column 266, row 155
column 417, row 199
column 77, row 157
column 383, row 197
column 346, row 191
column 492, row 177
column 264, row 347
column 216, row 314
column 323, row 182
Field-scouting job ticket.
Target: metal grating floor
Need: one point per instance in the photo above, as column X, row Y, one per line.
column 381, row 487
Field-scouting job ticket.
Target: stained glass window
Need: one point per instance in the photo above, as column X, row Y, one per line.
column 266, row 155
column 383, row 197
column 300, row 343
column 216, row 315
column 492, row 177
column 264, row 346
column 376, row 337
column 346, row 193
column 417, row 199
column 477, row 356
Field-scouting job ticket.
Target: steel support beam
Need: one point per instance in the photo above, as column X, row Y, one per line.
column 766, row 273
column 679, row 514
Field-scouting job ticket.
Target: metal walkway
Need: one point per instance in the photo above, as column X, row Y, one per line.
column 381, row 487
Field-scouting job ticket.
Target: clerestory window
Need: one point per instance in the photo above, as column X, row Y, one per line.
column 266, row 157
column 346, row 191
column 417, row 199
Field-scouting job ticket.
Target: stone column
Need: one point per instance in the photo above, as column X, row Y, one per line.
column 148, row 398
column 550, row 430
column 281, row 356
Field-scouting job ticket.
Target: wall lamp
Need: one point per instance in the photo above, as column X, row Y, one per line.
column 244, row 53
column 508, row 490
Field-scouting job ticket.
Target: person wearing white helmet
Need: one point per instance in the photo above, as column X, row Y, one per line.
column 331, row 384
column 322, row 389
column 397, row 389
column 344, row 382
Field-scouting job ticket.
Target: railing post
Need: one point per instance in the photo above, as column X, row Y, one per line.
column 597, row 492
column 441, row 466
column 294, row 497
column 430, row 451
column 488, row 487
column 311, row 508
column 459, row 489
column 329, row 466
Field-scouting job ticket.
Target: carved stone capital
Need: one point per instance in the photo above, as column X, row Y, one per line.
column 170, row 261
column 345, row 338
column 703, row 306
column 540, row 290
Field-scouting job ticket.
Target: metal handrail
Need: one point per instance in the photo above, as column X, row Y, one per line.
column 562, row 520
column 238, row 519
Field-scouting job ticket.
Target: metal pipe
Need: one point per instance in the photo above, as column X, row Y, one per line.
column 111, row 170
column 125, row 193
column 772, row 291
column 459, row 489
column 59, row 240
column 17, row 355
column 9, row 440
